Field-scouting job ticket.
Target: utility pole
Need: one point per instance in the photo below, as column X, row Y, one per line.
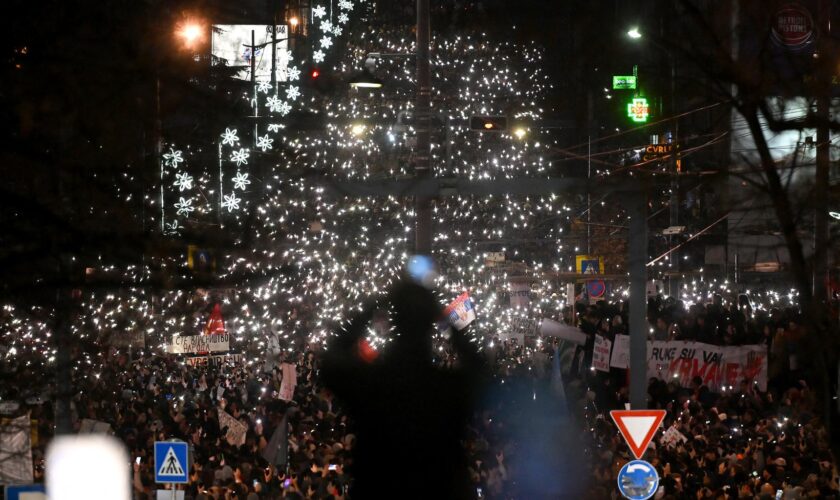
column 422, row 112
column 823, row 88
column 638, row 328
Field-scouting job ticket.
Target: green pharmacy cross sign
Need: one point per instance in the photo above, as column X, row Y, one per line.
column 627, row 82
column 638, row 110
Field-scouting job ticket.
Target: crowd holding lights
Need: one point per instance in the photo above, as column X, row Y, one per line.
column 313, row 259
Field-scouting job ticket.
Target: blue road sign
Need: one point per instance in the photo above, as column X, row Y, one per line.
column 638, row 480
column 171, row 462
column 16, row 492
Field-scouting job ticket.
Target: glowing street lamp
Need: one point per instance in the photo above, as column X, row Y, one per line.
column 520, row 132
column 634, row 33
column 190, row 32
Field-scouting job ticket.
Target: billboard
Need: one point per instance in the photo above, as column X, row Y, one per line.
column 231, row 46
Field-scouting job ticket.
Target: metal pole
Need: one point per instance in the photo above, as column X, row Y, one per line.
column 422, row 161
column 674, row 202
column 821, row 181
column 637, row 258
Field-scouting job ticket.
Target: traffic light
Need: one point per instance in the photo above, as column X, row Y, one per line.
column 488, row 123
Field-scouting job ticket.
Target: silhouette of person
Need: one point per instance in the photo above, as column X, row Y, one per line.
column 410, row 415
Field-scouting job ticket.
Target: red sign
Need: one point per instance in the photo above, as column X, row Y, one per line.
column 215, row 324
column 638, row 427
column 793, row 26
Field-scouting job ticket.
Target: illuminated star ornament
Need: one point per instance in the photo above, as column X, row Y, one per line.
column 326, row 26
column 240, row 156
column 183, row 181
column 263, row 87
column 293, row 73
column 240, row 181
column 318, row 56
column 326, row 42
column 173, row 158
column 319, row 11
column 229, row 137
column 345, row 5
column 343, row 18
column 264, row 142
column 184, row 206
column 231, row 202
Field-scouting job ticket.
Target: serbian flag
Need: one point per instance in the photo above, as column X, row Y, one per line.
column 216, row 324
column 460, row 312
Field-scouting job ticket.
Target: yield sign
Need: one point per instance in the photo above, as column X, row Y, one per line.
column 637, row 427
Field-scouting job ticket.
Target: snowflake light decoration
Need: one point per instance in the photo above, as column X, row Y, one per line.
column 293, row 73
column 318, row 56
column 173, row 226
column 229, row 137
column 173, row 158
column 326, row 42
column 345, row 5
column 231, row 202
column 184, row 206
column 274, row 127
column 336, row 31
column 292, row 92
column 263, row 87
column 343, row 18
column 240, row 156
column 264, row 142
column 274, row 103
column 326, row 25
column 284, row 108
column 319, row 11
column 240, row 181
column 183, row 181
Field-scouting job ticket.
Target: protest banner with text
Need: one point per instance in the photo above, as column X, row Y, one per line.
column 719, row 367
column 193, row 344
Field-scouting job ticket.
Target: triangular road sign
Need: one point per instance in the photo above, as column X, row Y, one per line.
column 171, row 466
column 638, row 427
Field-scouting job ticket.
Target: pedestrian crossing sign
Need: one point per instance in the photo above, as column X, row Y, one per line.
column 588, row 264
column 171, row 464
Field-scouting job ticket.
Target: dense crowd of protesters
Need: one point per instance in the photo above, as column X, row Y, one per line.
column 739, row 444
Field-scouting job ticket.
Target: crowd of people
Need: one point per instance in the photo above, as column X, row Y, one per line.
column 739, row 444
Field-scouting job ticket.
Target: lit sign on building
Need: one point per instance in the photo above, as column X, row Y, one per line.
column 638, row 110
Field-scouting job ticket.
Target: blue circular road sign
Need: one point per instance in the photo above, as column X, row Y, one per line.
column 638, row 480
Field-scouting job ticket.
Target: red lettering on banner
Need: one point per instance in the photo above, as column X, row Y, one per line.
column 731, row 374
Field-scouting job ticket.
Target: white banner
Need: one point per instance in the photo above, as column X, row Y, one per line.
column 551, row 328
column 193, row 344
column 90, row 426
column 215, row 360
column 236, row 430
column 621, row 352
column 520, row 295
column 601, row 354
column 718, row 367
column 289, row 382
column 16, row 451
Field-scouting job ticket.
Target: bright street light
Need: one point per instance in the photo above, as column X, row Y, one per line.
column 634, row 33
column 190, row 32
column 520, row 132
column 294, row 22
